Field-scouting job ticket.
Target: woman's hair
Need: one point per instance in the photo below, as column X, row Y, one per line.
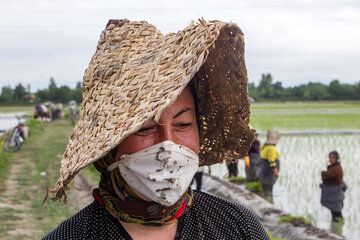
column 336, row 155
column 192, row 87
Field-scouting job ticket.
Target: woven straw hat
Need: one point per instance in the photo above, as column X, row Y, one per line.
column 272, row 137
column 136, row 72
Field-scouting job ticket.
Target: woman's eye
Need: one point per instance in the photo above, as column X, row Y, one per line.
column 146, row 130
column 184, row 125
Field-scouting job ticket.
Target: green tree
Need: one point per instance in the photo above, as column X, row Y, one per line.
column 76, row 93
column 316, row 91
column 296, row 93
column 6, row 96
column 266, row 89
column 253, row 92
column 53, row 90
column 64, row 94
column 42, row 95
column 266, row 81
column 19, row 93
column 335, row 90
column 357, row 90
column 278, row 92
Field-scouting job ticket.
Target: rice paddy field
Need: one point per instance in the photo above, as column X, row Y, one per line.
column 29, row 109
column 306, row 116
column 303, row 157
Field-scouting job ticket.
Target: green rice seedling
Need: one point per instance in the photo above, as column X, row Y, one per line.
column 293, row 220
column 254, row 187
column 238, row 180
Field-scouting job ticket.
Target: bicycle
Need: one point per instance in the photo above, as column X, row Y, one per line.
column 14, row 142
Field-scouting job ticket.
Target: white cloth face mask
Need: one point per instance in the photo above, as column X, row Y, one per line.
column 162, row 172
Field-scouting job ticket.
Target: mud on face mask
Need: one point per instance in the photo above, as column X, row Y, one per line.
column 162, row 172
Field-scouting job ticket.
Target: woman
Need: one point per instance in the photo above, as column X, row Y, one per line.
column 232, row 166
column 333, row 187
column 155, row 108
column 252, row 171
column 270, row 164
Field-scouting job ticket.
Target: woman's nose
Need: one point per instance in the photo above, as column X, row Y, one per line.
column 165, row 134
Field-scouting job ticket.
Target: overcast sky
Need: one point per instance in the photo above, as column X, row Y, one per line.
column 297, row 41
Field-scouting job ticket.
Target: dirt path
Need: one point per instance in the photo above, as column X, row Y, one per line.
column 22, row 219
column 34, row 168
column 21, row 222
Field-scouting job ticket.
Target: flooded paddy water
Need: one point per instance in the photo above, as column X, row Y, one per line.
column 9, row 121
column 297, row 189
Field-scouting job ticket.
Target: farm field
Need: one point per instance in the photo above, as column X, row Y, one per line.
column 304, row 157
column 16, row 109
column 305, row 116
column 297, row 190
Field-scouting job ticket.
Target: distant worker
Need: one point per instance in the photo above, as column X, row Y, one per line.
column 52, row 110
column 270, row 165
column 232, row 165
column 74, row 112
column 38, row 111
column 45, row 114
column 333, row 187
column 252, row 169
column 57, row 110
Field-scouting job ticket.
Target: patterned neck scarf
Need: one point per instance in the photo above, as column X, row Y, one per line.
column 122, row 203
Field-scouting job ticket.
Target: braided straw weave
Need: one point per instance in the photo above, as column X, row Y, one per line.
column 136, row 73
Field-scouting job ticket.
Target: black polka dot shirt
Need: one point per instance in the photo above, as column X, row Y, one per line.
column 210, row 217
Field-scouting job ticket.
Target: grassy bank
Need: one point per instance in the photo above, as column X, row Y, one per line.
column 305, row 116
column 37, row 163
column 4, row 167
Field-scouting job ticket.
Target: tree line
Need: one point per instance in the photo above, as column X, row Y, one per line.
column 274, row 91
column 23, row 95
column 266, row 90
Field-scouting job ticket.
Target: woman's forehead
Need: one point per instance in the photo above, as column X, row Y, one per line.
column 185, row 102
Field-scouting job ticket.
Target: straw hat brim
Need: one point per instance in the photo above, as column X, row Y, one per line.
column 136, row 73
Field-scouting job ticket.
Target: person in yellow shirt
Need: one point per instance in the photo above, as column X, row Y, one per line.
column 270, row 165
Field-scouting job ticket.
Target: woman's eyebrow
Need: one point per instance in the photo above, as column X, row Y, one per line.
column 181, row 112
